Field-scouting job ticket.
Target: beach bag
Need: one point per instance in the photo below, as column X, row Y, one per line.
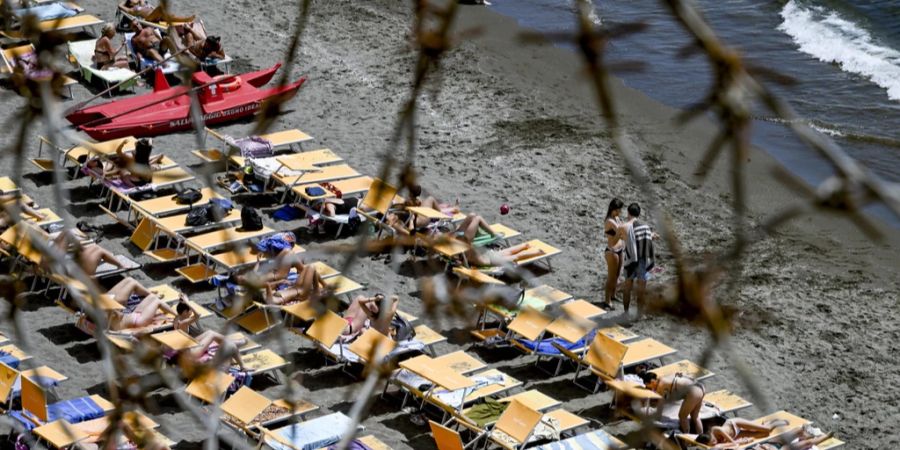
column 403, row 331
column 315, row 191
column 197, row 217
column 223, row 203
column 254, row 147
column 188, row 197
column 250, row 219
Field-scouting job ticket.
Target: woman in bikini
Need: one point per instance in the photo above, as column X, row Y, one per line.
column 308, row 286
column 363, row 313
column 675, row 388
column 736, row 432
column 8, row 205
column 615, row 245
column 144, row 314
column 416, row 199
column 105, row 57
column 214, row 348
column 88, row 256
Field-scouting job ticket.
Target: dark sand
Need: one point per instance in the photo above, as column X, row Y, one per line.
column 514, row 124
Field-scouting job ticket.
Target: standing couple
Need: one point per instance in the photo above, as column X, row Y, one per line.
column 629, row 244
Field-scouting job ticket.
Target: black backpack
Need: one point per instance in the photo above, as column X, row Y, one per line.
column 197, row 217
column 188, row 197
column 250, row 219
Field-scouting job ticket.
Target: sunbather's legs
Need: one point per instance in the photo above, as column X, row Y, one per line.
column 613, row 269
column 746, row 426
column 158, row 15
column 689, row 413
column 471, row 224
column 125, row 288
column 807, row 444
column 92, row 255
column 626, row 293
column 146, row 310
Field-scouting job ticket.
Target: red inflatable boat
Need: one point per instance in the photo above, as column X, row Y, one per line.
column 167, row 109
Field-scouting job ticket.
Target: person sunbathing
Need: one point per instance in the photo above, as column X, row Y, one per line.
column 503, row 257
column 133, row 435
column 308, row 286
column 279, row 248
column 87, row 256
column 8, row 203
column 186, row 316
column 801, row 442
column 363, row 313
column 142, row 315
column 214, row 348
column 736, row 432
column 416, row 199
column 146, row 11
column 105, row 57
column 147, row 43
column 677, row 387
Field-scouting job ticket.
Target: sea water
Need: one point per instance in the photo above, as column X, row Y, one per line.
column 844, row 56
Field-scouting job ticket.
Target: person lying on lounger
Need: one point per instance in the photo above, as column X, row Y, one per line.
column 363, row 313
column 416, row 199
column 143, row 314
column 281, row 258
column 736, row 432
column 105, row 56
column 133, row 435
column 309, row 285
column 148, row 43
column 677, row 387
column 87, row 256
column 7, row 202
column 802, row 442
column 214, row 348
column 148, row 12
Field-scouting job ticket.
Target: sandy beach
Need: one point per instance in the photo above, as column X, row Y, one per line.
column 516, row 124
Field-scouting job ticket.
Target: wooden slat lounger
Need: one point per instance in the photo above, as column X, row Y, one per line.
column 163, row 206
column 793, row 423
column 348, row 187
column 245, row 406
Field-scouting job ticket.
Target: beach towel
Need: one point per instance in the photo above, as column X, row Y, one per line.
column 595, row 440
column 253, row 147
column 287, row 213
column 355, row 444
column 73, row 411
column 546, row 347
column 47, row 12
column 639, row 245
column 312, row 434
column 9, row 360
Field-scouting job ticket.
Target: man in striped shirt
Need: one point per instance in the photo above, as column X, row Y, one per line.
column 639, row 256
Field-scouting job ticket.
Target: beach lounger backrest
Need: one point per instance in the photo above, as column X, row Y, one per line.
column 245, row 404
column 379, row 197
column 10, row 55
column 445, row 438
column 530, row 323
column 605, row 355
column 144, row 234
column 327, row 328
column 518, row 421
column 8, row 377
column 209, row 386
column 34, row 400
column 372, row 345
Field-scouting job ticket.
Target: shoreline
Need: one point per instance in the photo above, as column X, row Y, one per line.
column 512, row 124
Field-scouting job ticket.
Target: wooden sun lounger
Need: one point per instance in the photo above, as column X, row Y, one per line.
column 518, row 422
column 685, row 367
column 9, row 56
column 793, row 423
column 34, row 401
column 245, row 406
column 61, row 434
column 278, row 139
column 164, row 206
column 81, row 53
column 8, row 186
column 320, row 175
column 348, row 187
column 77, row 154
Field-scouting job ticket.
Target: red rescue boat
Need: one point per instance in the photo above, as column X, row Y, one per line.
column 167, row 110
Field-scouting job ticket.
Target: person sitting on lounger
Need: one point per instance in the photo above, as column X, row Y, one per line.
column 467, row 231
column 677, row 387
column 736, row 432
column 147, row 43
column 7, row 202
column 416, row 199
column 87, row 256
column 214, row 348
column 105, row 56
column 308, row 286
column 134, row 169
column 363, row 313
column 187, row 316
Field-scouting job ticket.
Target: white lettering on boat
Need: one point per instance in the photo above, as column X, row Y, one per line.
column 216, row 115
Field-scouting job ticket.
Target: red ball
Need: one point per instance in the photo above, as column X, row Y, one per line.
column 504, row 209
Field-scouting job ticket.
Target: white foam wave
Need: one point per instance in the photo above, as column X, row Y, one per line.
column 827, row 36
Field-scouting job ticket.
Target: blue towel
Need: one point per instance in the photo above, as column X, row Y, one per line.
column 313, row 434
column 287, row 213
column 47, row 12
column 74, row 411
column 546, row 347
column 9, row 360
